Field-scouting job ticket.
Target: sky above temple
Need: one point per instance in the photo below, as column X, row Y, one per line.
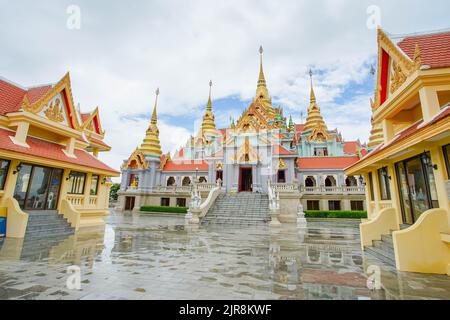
column 124, row 50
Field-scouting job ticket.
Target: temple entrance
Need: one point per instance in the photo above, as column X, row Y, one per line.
column 245, row 180
column 129, row 203
column 37, row 188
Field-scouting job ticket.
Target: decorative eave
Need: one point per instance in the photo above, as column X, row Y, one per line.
column 139, row 157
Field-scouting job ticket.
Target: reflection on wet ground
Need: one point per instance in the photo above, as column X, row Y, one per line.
column 141, row 257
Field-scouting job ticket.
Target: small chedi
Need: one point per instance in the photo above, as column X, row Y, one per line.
column 304, row 162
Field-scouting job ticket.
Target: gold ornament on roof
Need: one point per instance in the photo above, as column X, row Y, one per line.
column 314, row 120
column 151, row 144
column 54, row 111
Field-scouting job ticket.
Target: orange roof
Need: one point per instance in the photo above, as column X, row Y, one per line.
column 434, row 48
column 11, row 96
column 187, row 165
column 279, row 150
column 53, row 151
column 279, row 135
column 326, row 162
column 299, row 128
column 85, row 116
column 351, row 147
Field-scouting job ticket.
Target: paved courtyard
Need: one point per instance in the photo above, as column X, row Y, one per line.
column 142, row 257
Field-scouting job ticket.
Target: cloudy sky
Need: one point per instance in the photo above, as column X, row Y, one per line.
column 124, row 50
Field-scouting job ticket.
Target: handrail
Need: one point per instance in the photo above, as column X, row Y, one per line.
column 383, row 223
column 17, row 220
column 197, row 209
column 70, row 213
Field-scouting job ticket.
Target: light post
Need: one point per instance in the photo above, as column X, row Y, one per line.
column 196, row 174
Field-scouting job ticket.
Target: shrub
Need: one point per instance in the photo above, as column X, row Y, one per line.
column 336, row 214
column 179, row 210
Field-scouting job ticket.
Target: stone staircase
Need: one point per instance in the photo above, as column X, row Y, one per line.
column 244, row 208
column 47, row 223
column 384, row 249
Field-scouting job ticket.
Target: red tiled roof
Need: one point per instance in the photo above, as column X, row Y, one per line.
column 299, row 128
column 434, row 48
column 326, row 162
column 53, row 151
column 351, row 147
column 279, row 150
column 186, row 166
column 279, row 135
column 11, row 96
column 416, row 127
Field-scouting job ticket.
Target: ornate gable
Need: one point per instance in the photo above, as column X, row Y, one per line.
column 136, row 161
column 56, row 105
column 394, row 67
column 92, row 123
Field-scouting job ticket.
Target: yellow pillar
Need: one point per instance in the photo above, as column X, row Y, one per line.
column 376, row 191
column 388, row 130
column 429, row 102
column 440, row 177
column 395, row 193
column 87, row 190
column 10, row 183
column 64, row 186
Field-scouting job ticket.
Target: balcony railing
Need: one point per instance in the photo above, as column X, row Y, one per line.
column 285, row 187
column 184, row 189
column 332, row 190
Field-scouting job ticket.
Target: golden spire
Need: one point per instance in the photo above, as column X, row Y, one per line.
column 261, row 89
column 312, row 95
column 151, row 145
column 208, row 125
column 314, row 120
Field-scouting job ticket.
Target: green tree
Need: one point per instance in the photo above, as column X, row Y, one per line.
column 113, row 192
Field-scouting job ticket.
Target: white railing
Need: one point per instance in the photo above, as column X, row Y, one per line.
column 274, row 204
column 285, row 187
column 332, row 190
column 204, row 187
column 197, row 209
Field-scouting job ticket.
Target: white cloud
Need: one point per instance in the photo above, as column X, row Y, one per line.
column 125, row 50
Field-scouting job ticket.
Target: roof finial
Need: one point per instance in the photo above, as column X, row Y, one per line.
column 261, row 72
column 209, row 105
column 154, row 116
column 312, row 97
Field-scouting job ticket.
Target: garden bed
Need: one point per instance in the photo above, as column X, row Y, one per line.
column 336, row 214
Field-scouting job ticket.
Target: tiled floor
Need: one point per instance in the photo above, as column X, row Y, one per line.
column 141, row 257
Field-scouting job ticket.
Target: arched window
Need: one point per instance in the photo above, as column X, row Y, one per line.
column 170, row 181
column 310, row 181
column 202, row 180
column 330, row 181
column 186, row 181
column 351, row 181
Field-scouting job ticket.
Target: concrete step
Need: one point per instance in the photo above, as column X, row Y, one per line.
column 385, row 246
column 381, row 255
column 387, row 238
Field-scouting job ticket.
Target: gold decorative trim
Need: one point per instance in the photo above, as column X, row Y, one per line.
column 54, row 111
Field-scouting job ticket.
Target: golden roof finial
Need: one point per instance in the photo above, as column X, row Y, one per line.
column 312, row 96
column 261, row 72
column 151, row 144
column 154, row 116
column 209, row 105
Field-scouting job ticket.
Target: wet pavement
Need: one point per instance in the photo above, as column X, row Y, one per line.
column 142, row 257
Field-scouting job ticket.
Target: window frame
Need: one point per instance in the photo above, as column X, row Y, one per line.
column 312, row 202
column 446, row 151
column 383, row 179
column 371, row 191
column 360, row 204
column 2, row 183
column 163, row 199
column 183, row 200
column 96, row 185
column 76, row 174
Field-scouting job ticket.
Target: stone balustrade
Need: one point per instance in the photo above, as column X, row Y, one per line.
column 332, row 190
column 76, row 200
column 285, row 187
column 202, row 187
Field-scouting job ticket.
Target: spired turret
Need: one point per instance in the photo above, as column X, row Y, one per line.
column 314, row 120
column 208, row 124
column 151, row 146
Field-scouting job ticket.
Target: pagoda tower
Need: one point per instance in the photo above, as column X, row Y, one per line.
column 151, row 146
column 208, row 124
column 314, row 119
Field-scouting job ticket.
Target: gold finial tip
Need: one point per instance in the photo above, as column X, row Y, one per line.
column 210, row 83
column 261, row 50
column 310, row 72
column 157, row 91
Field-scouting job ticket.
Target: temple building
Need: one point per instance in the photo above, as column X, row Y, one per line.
column 407, row 170
column 304, row 162
column 51, row 182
